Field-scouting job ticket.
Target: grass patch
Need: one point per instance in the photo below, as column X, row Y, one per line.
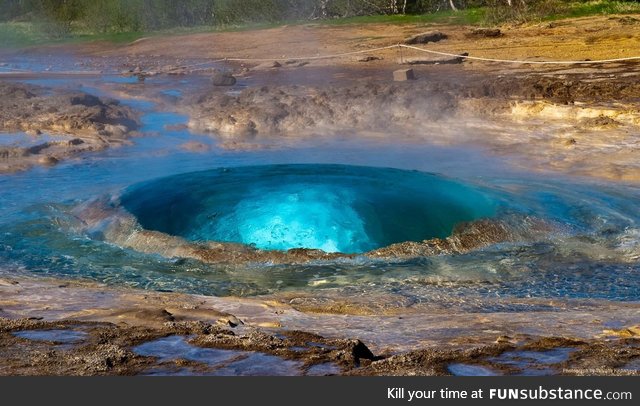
column 15, row 35
column 22, row 34
column 470, row 16
column 553, row 10
column 600, row 7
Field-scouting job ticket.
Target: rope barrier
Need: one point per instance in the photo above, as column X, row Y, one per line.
column 430, row 51
column 397, row 46
column 477, row 58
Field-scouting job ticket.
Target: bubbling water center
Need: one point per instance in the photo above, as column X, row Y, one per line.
column 334, row 208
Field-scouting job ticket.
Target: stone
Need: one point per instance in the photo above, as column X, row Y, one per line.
column 75, row 141
column 48, row 160
column 403, row 75
column 268, row 65
column 85, row 100
column 368, row 58
column 426, row 37
column 230, row 320
column 503, row 340
column 223, row 79
column 359, row 350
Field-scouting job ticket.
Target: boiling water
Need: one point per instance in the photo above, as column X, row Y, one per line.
column 335, row 208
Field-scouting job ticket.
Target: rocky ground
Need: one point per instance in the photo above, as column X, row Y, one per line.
column 77, row 121
column 108, row 325
column 576, row 119
column 550, row 121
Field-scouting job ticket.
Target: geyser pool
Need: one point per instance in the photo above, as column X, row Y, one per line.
column 335, row 208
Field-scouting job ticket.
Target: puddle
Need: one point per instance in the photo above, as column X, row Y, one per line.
column 172, row 92
column 220, row 362
column 169, row 372
column 258, row 364
column 471, row 370
column 527, row 358
column 323, row 369
column 56, row 336
column 176, row 347
column 534, row 363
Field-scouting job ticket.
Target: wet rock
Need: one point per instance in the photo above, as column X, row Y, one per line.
column 504, row 339
column 33, row 132
column 360, row 351
column 633, row 331
column 12, row 152
column 425, row 38
column 223, row 79
column 194, row 146
column 35, row 109
column 48, row 160
column 86, row 100
column 76, row 141
column 147, row 315
column 304, row 110
column 230, row 320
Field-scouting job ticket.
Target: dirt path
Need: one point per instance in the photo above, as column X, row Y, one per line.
column 588, row 38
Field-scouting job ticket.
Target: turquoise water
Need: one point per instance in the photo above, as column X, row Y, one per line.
column 335, row 208
column 344, row 199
